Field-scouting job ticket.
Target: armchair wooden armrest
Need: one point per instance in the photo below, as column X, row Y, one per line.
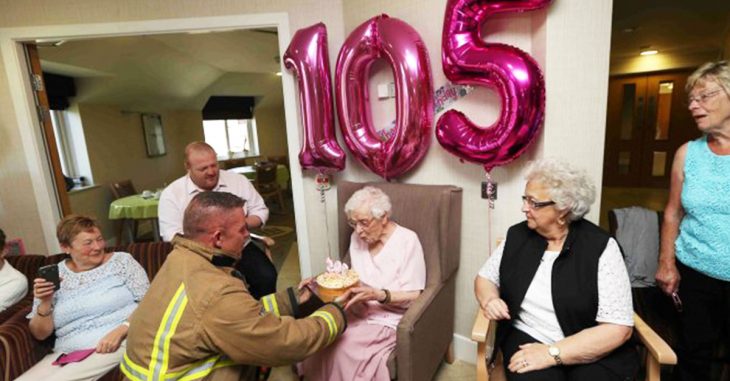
column 483, row 332
column 659, row 352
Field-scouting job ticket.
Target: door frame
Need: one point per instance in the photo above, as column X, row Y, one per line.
column 18, row 74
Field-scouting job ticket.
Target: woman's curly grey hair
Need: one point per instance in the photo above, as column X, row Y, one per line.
column 570, row 188
column 374, row 198
column 718, row 71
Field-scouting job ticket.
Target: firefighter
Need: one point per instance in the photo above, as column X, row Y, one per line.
column 198, row 320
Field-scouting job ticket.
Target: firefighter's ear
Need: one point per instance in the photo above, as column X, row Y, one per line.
column 217, row 235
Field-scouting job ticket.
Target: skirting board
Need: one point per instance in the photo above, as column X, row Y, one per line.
column 465, row 349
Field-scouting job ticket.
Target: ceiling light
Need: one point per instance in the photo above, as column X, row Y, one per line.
column 649, row 52
column 278, row 74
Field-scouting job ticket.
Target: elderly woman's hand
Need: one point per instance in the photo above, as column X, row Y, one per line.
column 530, row 357
column 668, row 277
column 111, row 341
column 43, row 289
column 495, row 309
column 363, row 294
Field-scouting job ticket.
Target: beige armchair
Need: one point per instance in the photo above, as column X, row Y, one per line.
column 658, row 351
column 434, row 213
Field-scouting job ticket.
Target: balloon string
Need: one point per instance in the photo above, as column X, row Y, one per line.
column 490, row 188
column 323, row 200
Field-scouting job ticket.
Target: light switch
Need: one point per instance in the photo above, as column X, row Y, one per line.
column 383, row 91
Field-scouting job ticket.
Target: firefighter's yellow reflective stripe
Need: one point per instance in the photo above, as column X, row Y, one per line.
column 168, row 325
column 196, row 370
column 331, row 323
column 206, row 368
column 133, row 371
column 270, row 304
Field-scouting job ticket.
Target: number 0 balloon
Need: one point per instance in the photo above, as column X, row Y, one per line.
column 401, row 46
column 467, row 59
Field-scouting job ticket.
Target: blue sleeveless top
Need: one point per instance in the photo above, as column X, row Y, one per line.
column 704, row 234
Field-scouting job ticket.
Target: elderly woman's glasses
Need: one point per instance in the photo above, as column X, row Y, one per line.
column 534, row 204
column 703, row 98
column 363, row 223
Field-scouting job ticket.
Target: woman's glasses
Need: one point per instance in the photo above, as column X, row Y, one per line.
column 364, row 223
column 703, row 98
column 534, row 204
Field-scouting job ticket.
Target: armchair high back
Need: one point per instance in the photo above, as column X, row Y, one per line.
column 427, row 328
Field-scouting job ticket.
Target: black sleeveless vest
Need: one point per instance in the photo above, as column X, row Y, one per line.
column 574, row 282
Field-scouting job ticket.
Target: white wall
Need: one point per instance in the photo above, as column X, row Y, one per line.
column 571, row 42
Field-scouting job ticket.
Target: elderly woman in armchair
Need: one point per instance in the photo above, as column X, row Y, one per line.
column 88, row 313
column 558, row 286
column 389, row 260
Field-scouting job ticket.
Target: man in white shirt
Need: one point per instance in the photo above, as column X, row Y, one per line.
column 203, row 174
column 13, row 284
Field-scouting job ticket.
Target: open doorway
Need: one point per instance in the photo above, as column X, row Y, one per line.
column 655, row 45
column 123, row 109
column 12, row 41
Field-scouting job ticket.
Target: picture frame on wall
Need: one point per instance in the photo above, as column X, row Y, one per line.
column 15, row 247
column 154, row 137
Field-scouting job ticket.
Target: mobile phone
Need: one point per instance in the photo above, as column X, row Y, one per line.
column 50, row 273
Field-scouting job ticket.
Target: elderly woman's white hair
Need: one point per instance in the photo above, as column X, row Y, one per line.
column 374, row 198
column 569, row 187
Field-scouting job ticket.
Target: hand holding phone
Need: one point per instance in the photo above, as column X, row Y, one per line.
column 50, row 274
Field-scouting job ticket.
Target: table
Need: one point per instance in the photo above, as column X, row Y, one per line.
column 282, row 174
column 132, row 209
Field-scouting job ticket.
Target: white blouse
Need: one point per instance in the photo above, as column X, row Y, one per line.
column 537, row 316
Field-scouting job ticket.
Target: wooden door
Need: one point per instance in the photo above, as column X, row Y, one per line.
column 668, row 125
column 647, row 120
column 49, row 139
column 624, row 122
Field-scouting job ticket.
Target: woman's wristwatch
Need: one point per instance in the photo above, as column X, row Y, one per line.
column 555, row 352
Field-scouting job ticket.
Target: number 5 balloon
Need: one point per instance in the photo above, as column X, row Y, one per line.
column 467, row 59
column 401, row 46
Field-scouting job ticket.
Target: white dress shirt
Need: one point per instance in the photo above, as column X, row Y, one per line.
column 176, row 197
column 13, row 286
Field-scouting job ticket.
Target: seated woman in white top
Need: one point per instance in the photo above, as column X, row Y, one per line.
column 558, row 286
column 13, row 284
column 88, row 313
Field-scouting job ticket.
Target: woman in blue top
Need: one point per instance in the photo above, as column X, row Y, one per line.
column 695, row 237
column 98, row 292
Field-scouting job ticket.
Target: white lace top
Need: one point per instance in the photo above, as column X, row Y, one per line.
column 537, row 317
column 92, row 303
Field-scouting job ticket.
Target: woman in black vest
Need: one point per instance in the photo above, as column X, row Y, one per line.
column 559, row 287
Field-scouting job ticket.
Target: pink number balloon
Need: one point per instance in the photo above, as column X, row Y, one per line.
column 400, row 45
column 467, row 59
column 306, row 56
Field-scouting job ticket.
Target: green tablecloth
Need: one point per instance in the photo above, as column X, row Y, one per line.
column 133, row 207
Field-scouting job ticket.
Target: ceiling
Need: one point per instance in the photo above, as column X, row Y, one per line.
column 673, row 27
column 166, row 71
column 181, row 70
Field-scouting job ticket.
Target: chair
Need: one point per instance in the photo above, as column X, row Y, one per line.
column 659, row 352
column 426, row 330
column 266, row 184
column 483, row 332
column 650, row 302
column 122, row 188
